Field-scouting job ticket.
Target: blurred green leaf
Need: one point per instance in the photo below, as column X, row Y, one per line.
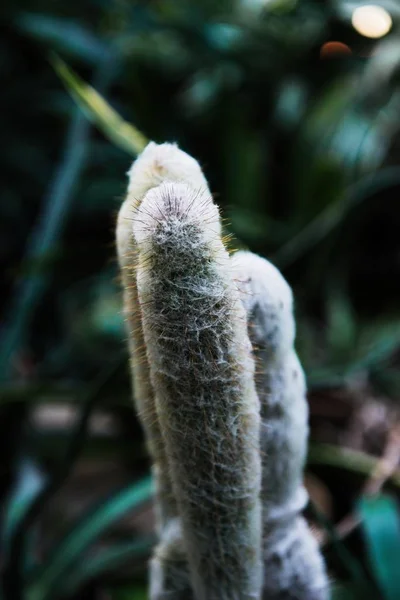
column 14, row 565
column 85, row 533
column 291, row 103
column 30, row 480
column 335, row 212
column 339, row 142
column 244, row 169
column 367, row 357
column 130, row 593
column 50, row 223
column 345, row 458
column 348, row 591
column 106, row 561
column 64, row 35
column 341, row 329
column 350, row 562
column 381, row 527
column 377, row 343
column 119, row 132
column 387, row 381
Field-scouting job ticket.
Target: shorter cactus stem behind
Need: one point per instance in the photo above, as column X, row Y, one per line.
column 203, row 373
column 293, row 566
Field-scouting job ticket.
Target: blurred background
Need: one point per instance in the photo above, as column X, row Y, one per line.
column 293, row 110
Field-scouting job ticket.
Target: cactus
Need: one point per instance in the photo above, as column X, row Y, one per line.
column 203, row 373
column 293, row 566
column 157, row 163
column 204, row 318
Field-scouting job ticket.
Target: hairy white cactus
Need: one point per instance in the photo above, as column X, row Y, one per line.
column 157, row 163
column 202, row 370
column 293, row 566
column 197, row 321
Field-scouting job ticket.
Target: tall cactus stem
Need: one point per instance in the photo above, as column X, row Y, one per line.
column 202, row 371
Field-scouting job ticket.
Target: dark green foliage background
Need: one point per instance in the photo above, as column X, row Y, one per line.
column 301, row 152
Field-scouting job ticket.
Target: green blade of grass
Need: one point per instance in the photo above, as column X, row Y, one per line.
column 118, row 131
column 106, row 561
column 85, row 533
column 67, row 35
column 28, row 483
column 48, row 229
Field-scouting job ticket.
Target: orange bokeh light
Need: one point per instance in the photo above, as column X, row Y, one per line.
column 334, row 50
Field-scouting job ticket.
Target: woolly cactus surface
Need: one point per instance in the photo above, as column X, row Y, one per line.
column 293, row 566
column 156, row 164
column 203, row 373
column 228, row 442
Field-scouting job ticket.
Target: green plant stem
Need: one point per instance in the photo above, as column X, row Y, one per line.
column 345, row 458
column 95, row 107
column 66, row 554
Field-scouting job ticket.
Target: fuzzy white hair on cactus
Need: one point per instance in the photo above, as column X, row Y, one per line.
column 228, row 445
column 156, row 164
column 177, row 206
column 203, row 374
column 268, row 300
column 163, row 162
column 293, row 565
